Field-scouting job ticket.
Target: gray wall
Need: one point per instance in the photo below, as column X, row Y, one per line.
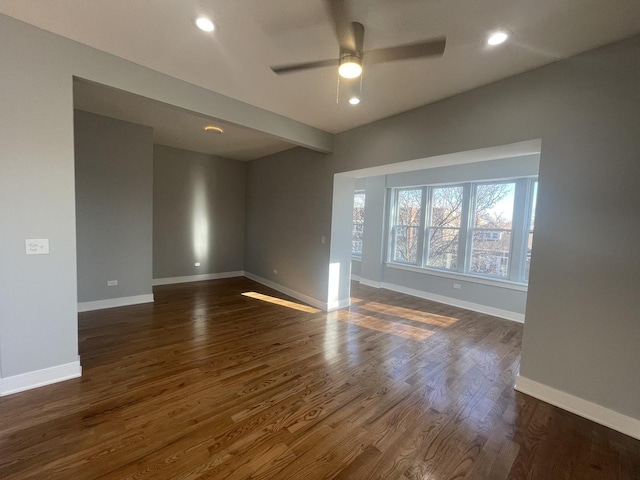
column 38, row 307
column 198, row 213
column 288, row 212
column 582, row 328
column 114, row 162
column 356, row 267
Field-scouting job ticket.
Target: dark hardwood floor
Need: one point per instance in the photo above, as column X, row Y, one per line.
column 210, row 383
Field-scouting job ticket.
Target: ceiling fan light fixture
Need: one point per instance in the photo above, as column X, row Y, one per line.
column 497, row 37
column 350, row 66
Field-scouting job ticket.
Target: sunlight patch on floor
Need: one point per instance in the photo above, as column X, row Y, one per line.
column 385, row 326
column 409, row 314
column 281, row 302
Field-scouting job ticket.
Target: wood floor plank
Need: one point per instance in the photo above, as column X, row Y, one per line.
column 208, row 383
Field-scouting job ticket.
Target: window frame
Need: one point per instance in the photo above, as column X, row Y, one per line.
column 428, row 226
column 472, row 228
column 523, row 207
column 419, row 228
column 354, row 223
column 531, row 210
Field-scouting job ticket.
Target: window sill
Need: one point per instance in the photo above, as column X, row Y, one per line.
column 521, row 287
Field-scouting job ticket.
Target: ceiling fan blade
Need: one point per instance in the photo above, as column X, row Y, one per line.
column 358, row 36
column 296, row 67
column 342, row 25
column 430, row 48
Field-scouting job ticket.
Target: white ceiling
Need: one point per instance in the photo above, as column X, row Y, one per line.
column 251, row 35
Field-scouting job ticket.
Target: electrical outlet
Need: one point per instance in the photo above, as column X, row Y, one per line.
column 275, row 270
column 323, row 240
column 112, row 283
column 457, row 286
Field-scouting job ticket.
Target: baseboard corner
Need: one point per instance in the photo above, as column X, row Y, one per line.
column 39, row 378
column 579, row 406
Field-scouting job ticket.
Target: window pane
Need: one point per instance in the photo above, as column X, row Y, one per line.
column 443, row 248
column 409, row 202
column 446, row 207
column 533, row 204
column 358, row 207
column 356, row 242
column 490, row 251
column 494, row 205
column 527, row 262
column 358, row 223
column 406, row 244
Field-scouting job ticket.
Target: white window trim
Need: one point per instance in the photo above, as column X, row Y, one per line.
column 463, row 277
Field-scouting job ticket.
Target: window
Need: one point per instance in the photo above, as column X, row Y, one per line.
column 532, row 218
column 443, row 232
column 491, row 232
column 358, row 223
column 479, row 228
column 407, row 225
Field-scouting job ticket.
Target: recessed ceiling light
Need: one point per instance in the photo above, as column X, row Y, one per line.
column 204, row 24
column 498, row 37
column 354, row 100
column 214, row 129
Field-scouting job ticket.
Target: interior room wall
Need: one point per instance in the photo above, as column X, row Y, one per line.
column 38, row 293
column 288, row 213
column 113, row 167
column 198, row 213
column 582, row 329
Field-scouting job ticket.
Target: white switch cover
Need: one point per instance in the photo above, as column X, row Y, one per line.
column 112, row 283
column 37, row 246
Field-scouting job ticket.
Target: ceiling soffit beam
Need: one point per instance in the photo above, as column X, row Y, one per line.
column 84, row 62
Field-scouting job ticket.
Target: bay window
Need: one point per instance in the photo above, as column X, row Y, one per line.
column 483, row 229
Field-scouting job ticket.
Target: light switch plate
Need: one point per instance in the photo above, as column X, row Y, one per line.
column 37, row 246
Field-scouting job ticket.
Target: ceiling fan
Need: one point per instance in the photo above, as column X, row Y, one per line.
column 351, row 40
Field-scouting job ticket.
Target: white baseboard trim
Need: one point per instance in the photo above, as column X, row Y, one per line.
column 371, row 283
column 355, row 278
column 114, row 302
column 196, row 278
column 287, row 291
column 476, row 307
column 39, row 378
column 583, row 408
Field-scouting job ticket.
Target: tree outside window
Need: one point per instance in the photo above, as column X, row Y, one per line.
column 358, row 223
column 492, row 229
column 443, row 232
column 407, row 225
